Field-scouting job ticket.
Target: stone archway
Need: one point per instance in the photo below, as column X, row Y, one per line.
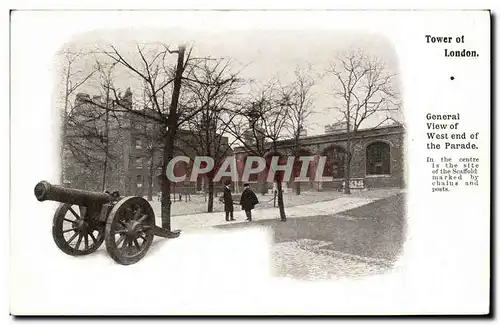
column 334, row 165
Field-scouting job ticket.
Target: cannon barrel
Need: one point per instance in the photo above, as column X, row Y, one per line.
column 46, row 191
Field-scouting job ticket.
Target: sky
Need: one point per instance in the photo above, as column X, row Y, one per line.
column 260, row 54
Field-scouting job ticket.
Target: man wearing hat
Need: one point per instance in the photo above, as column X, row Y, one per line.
column 248, row 201
column 228, row 201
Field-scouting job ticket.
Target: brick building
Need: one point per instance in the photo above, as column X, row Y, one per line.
column 92, row 151
column 146, row 160
column 134, row 161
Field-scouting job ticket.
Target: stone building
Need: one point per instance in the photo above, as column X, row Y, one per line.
column 377, row 161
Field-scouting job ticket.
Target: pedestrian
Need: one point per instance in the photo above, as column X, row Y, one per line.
column 248, row 201
column 228, row 202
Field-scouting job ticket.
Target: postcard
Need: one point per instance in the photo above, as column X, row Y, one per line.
column 237, row 162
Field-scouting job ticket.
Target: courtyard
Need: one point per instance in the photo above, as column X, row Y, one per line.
column 328, row 235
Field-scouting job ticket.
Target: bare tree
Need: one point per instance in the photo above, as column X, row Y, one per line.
column 163, row 71
column 73, row 77
column 213, row 87
column 86, row 144
column 363, row 90
column 106, row 79
column 265, row 118
column 246, row 128
column 151, row 136
column 299, row 98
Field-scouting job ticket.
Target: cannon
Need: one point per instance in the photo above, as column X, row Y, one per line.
column 85, row 219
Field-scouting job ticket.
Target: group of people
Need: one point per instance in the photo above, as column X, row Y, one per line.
column 248, row 201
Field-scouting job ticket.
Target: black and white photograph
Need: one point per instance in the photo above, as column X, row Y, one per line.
column 250, row 163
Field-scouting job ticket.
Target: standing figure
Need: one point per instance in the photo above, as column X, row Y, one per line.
column 228, row 202
column 248, row 201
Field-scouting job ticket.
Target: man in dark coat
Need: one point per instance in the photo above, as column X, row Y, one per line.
column 228, row 202
column 248, row 201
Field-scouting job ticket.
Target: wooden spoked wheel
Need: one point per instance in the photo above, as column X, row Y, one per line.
column 75, row 231
column 129, row 232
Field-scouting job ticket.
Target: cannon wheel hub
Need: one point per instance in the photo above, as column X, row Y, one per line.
column 129, row 230
column 80, row 224
column 133, row 228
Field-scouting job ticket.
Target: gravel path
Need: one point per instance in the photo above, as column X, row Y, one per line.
column 304, row 260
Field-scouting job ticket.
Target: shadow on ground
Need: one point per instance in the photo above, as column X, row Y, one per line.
column 374, row 230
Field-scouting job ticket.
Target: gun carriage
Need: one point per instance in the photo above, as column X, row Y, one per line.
column 85, row 219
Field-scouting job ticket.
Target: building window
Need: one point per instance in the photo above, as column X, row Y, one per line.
column 378, row 158
column 138, row 163
column 138, row 126
column 139, row 181
column 335, row 170
column 335, row 162
column 138, row 143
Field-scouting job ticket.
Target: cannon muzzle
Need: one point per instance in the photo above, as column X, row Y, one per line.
column 45, row 191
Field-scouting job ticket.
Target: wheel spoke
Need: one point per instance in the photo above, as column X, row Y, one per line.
column 136, row 243
column 71, row 229
column 78, row 242
column 74, row 213
column 130, row 247
column 137, row 213
column 72, row 238
column 124, row 247
column 86, row 242
column 144, row 217
column 121, row 231
column 127, row 213
column 120, row 240
column 92, row 236
column 65, row 219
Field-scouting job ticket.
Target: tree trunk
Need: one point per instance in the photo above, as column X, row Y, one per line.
column 347, row 176
column 104, row 167
column 165, row 193
column 64, row 125
column 296, row 152
column 168, row 150
column 63, row 143
column 150, row 179
column 210, row 194
column 263, row 184
column 281, row 205
column 106, row 143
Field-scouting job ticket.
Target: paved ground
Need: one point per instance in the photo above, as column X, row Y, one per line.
column 354, row 239
column 350, row 235
column 199, row 205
